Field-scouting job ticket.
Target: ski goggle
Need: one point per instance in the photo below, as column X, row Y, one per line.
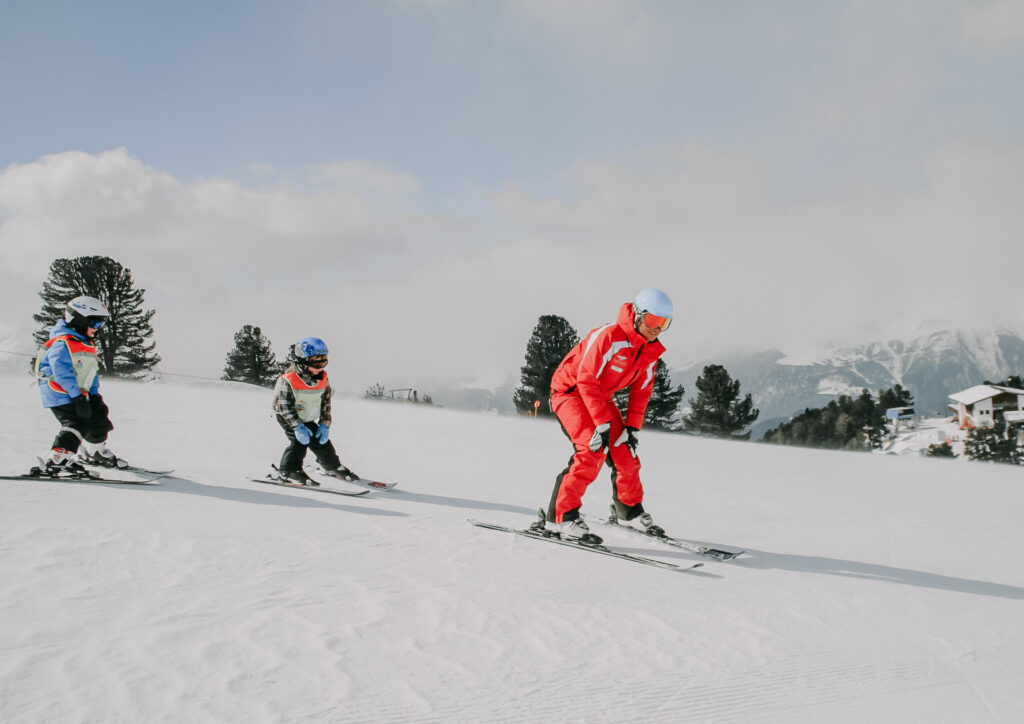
column 317, row 361
column 654, row 322
column 95, row 323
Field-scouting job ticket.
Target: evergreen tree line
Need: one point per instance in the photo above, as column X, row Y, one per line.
column 126, row 347
column 718, row 410
column 846, row 423
column 849, row 423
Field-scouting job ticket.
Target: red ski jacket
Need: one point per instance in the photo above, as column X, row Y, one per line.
column 609, row 359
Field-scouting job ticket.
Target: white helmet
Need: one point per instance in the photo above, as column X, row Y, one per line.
column 84, row 312
column 653, row 301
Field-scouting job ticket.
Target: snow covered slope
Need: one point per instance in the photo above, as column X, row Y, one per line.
column 875, row 588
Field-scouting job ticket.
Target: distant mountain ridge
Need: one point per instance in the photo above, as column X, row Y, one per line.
column 931, row 366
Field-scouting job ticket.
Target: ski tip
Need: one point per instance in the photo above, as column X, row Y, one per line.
column 723, row 555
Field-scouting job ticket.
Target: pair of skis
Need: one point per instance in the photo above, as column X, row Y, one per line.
column 539, row 532
column 144, row 476
column 367, row 485
column 706, row 551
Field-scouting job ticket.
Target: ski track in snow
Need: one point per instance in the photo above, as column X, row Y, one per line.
column 863, row 596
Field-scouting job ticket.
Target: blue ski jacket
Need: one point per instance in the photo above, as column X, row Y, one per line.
column 66, row 365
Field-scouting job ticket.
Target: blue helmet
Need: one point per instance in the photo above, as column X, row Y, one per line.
column 309, row 347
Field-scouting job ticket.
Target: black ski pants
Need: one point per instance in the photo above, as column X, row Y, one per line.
column 86, row 420
column 295, row 453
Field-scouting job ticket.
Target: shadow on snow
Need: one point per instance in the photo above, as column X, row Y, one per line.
column 269, row 497
column 875, row 572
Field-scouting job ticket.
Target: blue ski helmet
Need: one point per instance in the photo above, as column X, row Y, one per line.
column 309, row 347
column 652, row 301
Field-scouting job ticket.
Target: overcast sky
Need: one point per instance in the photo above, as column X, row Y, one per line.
column 417, row 181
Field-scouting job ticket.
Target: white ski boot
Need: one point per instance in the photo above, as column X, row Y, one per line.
column 97, row 453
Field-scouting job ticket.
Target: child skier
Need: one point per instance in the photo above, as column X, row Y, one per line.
column 610, row 358
column 302, row 401
column 67, row 369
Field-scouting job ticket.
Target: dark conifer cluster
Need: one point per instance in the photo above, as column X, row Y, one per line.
column 124, row 347
column 252, row 360
column 846, row 423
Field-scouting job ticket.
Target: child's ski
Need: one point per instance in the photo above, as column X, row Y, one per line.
column 273, row 479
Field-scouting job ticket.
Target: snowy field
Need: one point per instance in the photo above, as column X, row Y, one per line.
column 875, row 588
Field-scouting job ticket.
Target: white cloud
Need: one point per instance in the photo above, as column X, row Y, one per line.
column 214, row 255
column 753, row 267
column 406, row 298
column 993, row 26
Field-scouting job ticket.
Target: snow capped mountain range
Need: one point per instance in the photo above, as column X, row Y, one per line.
column 931, row 366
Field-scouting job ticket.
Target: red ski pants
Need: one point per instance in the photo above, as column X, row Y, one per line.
column 585, row 466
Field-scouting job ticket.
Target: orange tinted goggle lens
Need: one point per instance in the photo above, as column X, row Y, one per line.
column 319, row 362
column 653, row 321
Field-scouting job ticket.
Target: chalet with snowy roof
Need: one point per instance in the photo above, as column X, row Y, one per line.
column 977, row 406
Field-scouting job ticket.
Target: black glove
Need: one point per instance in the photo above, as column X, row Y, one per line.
column 629, row 439
column 82, row 407
column 599, row 441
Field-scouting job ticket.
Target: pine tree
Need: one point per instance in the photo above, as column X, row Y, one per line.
column 252, row 359
column 122, row 345
column 718, row 409
column 940, row 450
column 552, row 339
column 896, row 397
column 994, row 444
column 663, row 407
column 871, row 419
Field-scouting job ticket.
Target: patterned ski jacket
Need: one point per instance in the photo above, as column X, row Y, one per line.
column 66, row 366
column 610, row 358
column 301, row 397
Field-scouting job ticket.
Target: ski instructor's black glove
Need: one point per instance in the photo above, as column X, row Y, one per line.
column 599, row 441
column 629, row 439
column 82, row 407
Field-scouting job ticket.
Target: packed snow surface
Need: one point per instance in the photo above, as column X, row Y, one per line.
column 874, row 588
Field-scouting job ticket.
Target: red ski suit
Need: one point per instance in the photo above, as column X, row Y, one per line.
column 608, row 359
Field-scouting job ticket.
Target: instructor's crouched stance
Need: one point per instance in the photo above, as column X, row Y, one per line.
column 610, row 358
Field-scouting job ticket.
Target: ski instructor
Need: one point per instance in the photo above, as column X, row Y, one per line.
column 610, row 358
